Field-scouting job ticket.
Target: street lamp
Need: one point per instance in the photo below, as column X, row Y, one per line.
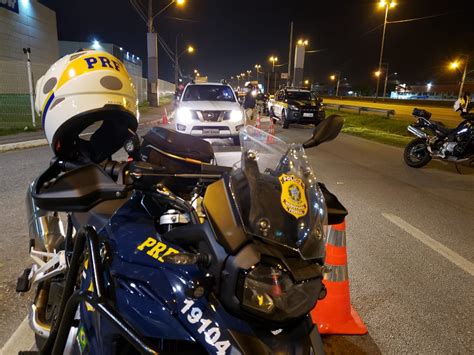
column 302, row 42
column 145, row 11
column 273, row 59
column 189, row 49
column 387, row 5
column 257, row 67
column 248, row 74
column 306, row 82
column 454, row 66
column 338, row 76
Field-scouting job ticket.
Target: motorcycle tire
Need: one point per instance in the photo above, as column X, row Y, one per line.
column 284, row 122
column 416, row 154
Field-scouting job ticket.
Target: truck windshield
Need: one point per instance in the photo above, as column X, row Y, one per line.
column 300, row 95
column 209, row 93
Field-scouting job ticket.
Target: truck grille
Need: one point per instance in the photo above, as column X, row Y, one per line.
column 211, row 116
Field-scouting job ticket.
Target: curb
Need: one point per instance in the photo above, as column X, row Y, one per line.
column 42, row 142
column 23, row 145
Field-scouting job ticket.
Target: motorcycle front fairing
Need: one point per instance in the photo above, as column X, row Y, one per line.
column 154, row 298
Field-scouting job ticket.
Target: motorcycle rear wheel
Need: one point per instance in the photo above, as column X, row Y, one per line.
column 416, row 154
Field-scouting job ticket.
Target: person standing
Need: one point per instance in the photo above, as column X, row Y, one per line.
column 249, row 106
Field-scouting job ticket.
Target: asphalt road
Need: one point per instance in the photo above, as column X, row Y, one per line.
column 404, row 110
column 410, row 240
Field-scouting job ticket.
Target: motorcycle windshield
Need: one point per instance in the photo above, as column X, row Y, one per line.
column 277, row 194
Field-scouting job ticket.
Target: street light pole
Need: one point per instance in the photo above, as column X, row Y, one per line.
column 461, row 87
column 387, row 5
column 386, row 81
column 176, row 62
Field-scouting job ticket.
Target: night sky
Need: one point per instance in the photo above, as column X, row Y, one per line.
column 232, row 36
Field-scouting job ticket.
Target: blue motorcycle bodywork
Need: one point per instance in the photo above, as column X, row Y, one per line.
column 150, row 294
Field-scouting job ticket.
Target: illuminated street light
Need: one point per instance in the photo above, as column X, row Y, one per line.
column 306, row 82
column 195, row 71
column 273, row 59
column 455, row 65
column 338, row 76
column 189, row 49
column 95, row 44
column 383, row 4
column 257, row 67
column 180, row 2
column 302, row 42
column 377, row 73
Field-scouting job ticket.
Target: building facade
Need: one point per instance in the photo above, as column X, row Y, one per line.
column 25, row 24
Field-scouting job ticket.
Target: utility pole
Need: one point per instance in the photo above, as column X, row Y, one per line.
column 148, row 16
column 176, row 63
column 288, row 81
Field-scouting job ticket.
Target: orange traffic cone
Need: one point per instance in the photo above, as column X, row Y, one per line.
column 259, row 122
column 271, row 133
column 165, row 118
column 334, row 314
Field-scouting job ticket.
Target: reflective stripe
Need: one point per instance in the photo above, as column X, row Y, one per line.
column 338, row 273
column 336, row 237
column 46, row 107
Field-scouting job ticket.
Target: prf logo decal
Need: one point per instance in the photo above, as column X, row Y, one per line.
column 101, row 62
column 293, row 198
column 156, row 249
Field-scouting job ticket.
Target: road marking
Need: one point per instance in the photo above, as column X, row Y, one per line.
column 452, row 256
column 22, row 340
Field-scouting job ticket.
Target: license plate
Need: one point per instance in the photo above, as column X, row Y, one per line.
column 210, row 131
column 308, row 114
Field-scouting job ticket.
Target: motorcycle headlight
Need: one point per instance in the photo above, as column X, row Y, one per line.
column 271, row 293
column 293, row 107
column 184, row 114
column 236, row 116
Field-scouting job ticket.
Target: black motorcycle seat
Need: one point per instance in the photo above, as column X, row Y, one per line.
column 442, row 128
column 180, row 144
column 421, row 113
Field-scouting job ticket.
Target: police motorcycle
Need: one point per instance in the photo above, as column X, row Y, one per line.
column 434, row 140
column 169, row 252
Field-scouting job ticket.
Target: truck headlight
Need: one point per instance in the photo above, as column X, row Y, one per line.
column 184, row 114
column 293, row 107
column 236, row 116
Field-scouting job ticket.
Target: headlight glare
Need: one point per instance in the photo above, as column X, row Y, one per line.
column 236, row 116
column 293, row 107
column 184, row 114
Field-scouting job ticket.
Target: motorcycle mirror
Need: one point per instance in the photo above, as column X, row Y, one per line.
column 132, row 146
column 326, row 131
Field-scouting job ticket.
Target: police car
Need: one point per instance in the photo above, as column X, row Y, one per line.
column 296, row 106
column 210, row 110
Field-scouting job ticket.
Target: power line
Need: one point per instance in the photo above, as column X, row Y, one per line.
column 420, row 18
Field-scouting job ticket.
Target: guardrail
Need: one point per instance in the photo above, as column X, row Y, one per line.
column 359, row 109
column 411, row 102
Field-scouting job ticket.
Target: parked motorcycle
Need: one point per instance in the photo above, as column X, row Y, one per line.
column 439, row 142
column 169, row 252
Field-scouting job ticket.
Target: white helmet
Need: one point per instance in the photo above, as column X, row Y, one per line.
column 463, row 104
column 79, row 90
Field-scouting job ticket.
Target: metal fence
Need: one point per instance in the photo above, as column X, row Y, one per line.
column 15, row 109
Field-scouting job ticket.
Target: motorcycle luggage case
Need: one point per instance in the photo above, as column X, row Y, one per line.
column 421, row 113
column 178, row 152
